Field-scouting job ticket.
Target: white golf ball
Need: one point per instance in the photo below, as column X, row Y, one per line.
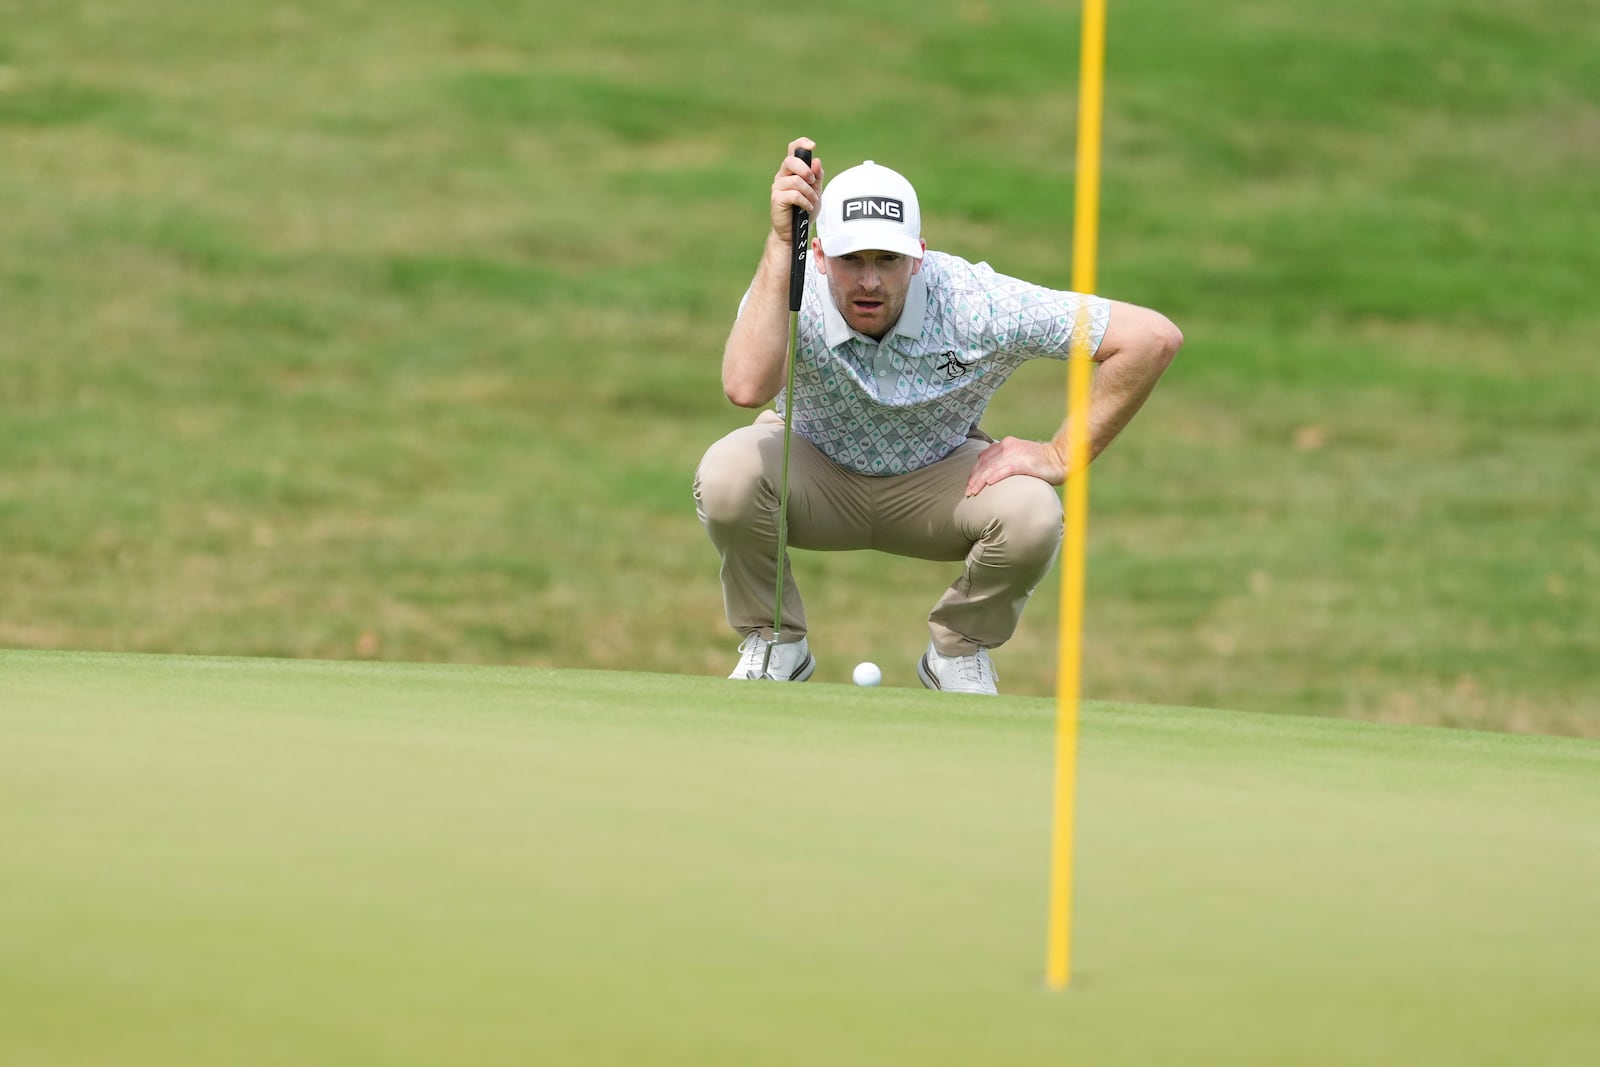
column 867, row 674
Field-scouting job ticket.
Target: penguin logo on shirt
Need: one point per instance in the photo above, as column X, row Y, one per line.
column 952, row 366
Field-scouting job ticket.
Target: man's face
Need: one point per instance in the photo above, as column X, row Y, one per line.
column 869, row 287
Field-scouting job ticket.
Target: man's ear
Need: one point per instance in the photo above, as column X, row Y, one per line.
column 917, row 265
column 817, row 257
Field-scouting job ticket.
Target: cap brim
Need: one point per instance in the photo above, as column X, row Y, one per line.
column 859, row 239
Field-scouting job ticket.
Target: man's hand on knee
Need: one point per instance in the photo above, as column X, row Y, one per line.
column 1011, row 456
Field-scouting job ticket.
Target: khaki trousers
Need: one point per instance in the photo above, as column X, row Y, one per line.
column 1008, row 534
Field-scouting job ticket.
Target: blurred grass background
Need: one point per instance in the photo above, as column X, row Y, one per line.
column 392, row 330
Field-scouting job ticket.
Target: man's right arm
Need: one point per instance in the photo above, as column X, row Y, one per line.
column 753, row 359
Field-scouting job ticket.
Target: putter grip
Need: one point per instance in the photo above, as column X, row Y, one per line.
column 800, row 223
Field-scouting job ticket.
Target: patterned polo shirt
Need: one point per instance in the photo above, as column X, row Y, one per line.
column 894, row 406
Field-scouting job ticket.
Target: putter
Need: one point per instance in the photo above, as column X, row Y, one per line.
column 800, row 223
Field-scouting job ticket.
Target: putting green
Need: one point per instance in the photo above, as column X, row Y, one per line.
column 263, row 862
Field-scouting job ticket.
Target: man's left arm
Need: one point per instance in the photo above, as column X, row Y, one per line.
column 1137, row 347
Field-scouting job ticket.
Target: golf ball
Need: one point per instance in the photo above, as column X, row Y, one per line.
column 867, row 674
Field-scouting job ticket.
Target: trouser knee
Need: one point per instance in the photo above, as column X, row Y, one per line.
column 729, row 482
column 1032, row 527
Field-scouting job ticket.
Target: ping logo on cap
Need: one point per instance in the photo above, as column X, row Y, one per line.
column 874, row 207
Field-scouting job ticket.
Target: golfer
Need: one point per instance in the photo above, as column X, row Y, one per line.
column 897, row 354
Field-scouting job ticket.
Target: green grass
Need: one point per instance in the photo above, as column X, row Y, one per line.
column 392, row 330
column 266, row 862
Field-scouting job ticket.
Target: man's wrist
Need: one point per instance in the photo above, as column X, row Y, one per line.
column 1058, row 453
column 775, row 263
column 777, row 246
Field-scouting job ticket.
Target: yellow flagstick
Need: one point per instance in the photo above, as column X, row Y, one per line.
column 1091, row 82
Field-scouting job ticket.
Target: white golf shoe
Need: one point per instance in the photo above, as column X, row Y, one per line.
column 958, row 674
column 791, row 662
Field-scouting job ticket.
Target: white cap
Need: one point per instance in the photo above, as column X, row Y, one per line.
column 870, row 207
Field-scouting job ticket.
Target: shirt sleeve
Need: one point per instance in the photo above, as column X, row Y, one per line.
column 1021, row 318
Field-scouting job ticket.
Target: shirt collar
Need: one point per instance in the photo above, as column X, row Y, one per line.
column 835, row 331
